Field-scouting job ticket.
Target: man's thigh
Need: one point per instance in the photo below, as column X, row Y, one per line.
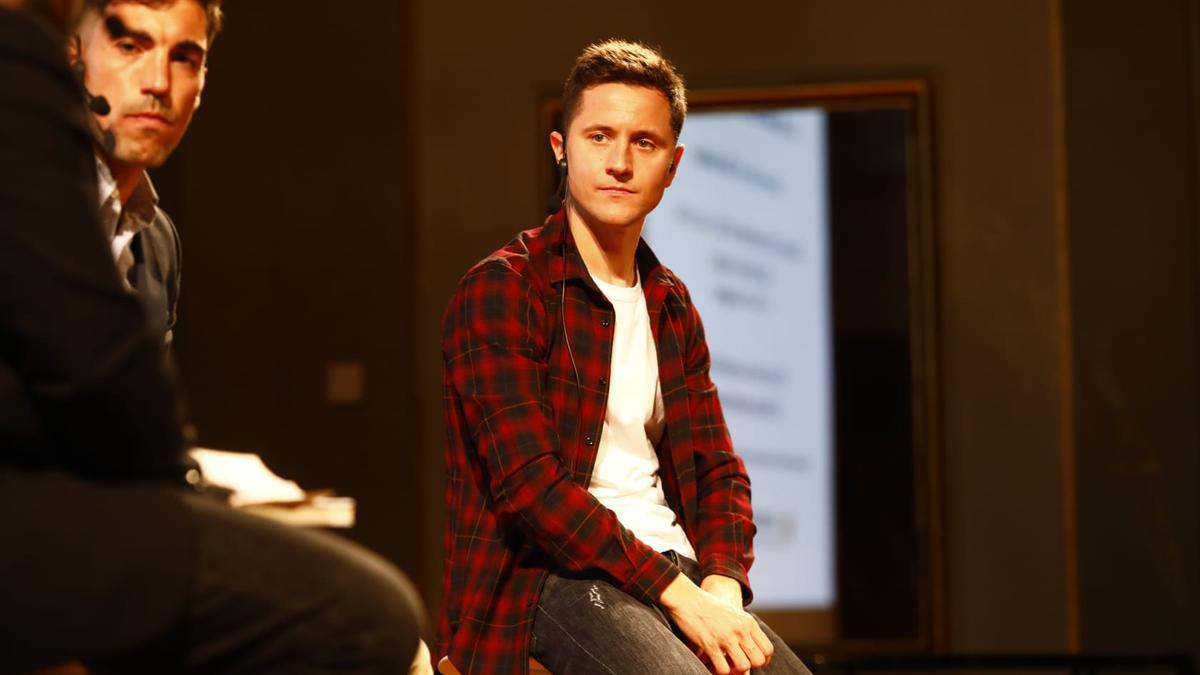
column 87, row 569
column 278, row 599
column 587, row 626
column 150, row 578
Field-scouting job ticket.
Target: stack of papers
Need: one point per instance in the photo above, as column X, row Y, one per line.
column 317, row 511
column 254, row 488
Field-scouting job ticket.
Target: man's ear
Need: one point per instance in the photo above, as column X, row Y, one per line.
column 200, row 89
column 86, row 25
column 673, row 170
column 74, row 51
column 558, row 146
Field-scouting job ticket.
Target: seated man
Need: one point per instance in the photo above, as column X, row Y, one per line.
column 599, row 518
column 143, row 66
column 107, row 556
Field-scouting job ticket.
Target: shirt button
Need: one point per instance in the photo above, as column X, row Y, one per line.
column 604, row 322
column 604, row 382
column 588, row 440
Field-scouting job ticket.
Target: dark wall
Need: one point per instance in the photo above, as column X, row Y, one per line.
column 298, row 240
column 1131, row 91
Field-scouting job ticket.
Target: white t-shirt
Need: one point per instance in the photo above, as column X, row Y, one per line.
column 625, row 478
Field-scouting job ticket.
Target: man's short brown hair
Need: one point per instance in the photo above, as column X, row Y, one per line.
column 212, row 12
column 624, row 62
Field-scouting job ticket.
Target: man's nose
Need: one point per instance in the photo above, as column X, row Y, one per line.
column 156, row 74
column 618, row 160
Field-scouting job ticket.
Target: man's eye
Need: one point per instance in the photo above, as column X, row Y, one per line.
column 188, row 60
column 598, row 137
column 645, row 143
column 127, row 47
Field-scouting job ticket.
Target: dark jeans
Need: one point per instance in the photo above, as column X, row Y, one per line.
column 152, row 579
column 589, row 626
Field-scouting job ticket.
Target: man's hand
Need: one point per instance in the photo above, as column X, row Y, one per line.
column 723, row 588
column 723, row 632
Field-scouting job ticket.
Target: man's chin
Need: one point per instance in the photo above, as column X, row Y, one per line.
column 618, row 222
column 143, row 156
column 614, row 219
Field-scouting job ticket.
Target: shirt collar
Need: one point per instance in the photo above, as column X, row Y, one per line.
column 568, row 264
column 134, row 212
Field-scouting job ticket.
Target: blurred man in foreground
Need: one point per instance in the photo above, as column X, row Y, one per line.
column 107, row 557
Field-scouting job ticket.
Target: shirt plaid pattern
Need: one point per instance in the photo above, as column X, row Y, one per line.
column 522, row 434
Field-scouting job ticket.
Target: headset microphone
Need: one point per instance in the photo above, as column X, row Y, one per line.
column 97, row 104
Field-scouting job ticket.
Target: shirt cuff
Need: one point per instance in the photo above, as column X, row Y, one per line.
column 651, row 579
column 727, row 567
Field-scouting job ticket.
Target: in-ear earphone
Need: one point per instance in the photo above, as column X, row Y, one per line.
column 556, row 200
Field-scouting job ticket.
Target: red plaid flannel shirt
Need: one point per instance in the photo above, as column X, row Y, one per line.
column 522, row 436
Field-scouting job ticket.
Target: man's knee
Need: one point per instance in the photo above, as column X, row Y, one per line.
column 315, row 596
column 785, row 661
column 373, row 608
column 387, row 606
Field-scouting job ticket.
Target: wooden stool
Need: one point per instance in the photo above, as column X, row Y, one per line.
column 447, row 668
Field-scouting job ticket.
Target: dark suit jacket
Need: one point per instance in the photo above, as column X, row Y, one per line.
column 157, row 271
column 82, row 379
